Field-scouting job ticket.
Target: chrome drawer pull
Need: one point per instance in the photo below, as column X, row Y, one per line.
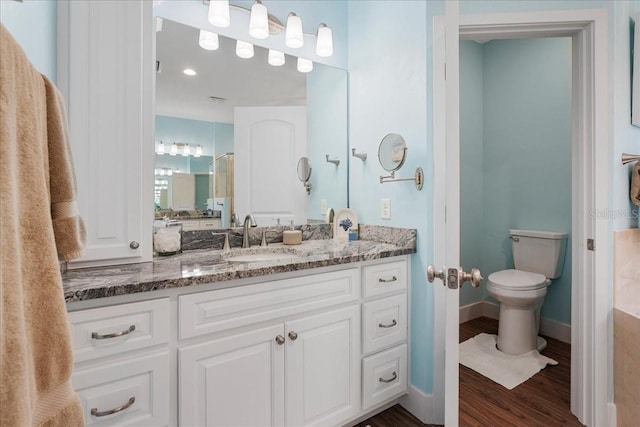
column 393, row 378
column 393, row 323
column 95, row 413
column 393, row 279
column 97, row 336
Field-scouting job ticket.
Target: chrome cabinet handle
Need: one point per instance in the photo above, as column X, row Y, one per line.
column 97, row 336
column 96, row 413
column 393, row 378
column 393, row 323
column 293, row 336
column 393, row 279
column 134, row 245
column 280, row 339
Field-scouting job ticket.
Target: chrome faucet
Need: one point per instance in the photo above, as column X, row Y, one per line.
column 249, row 221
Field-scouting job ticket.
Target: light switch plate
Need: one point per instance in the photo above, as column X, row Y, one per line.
column 323, row 207
column 385, row 208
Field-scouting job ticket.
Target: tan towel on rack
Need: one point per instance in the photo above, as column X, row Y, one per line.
column 635, row 184
column 37, row 192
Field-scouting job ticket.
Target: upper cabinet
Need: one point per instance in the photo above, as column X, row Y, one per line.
column 105, row 71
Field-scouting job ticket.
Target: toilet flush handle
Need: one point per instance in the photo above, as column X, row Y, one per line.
column 474, row 277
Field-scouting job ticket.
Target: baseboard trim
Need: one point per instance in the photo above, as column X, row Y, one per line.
column 612, row 415
column 419, row 404
column 551, row 328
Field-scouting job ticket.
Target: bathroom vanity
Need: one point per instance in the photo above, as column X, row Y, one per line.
column 315, row 337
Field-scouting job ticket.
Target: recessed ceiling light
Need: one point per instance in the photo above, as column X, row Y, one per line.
column 189, row 72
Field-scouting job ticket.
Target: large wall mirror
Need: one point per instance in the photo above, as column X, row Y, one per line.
column 245, row 124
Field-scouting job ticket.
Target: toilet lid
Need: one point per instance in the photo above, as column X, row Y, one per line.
column 516, row 279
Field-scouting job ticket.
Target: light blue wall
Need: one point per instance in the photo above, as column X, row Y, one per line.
column 33, row 25
column 389, row 93
column 471, row 161
column 223, row 138
column 327, row 133
column 527, row 152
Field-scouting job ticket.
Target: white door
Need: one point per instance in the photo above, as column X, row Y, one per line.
column 183, row 192
column 323, row 368
column 235, row 381
column 268, row 142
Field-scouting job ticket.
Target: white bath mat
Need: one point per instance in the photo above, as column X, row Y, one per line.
column 481, row 354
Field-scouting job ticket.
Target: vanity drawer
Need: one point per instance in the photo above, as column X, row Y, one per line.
column 136, row 391
column 215, row 311
column 384, row 323
column 384, row 375
column 108, row 331
column 190, row 225
column 385, row 278
column 209, row 224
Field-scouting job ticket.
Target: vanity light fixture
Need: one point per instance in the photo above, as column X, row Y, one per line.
column 208, row 40
column 189, row 72
column 219, row 13
column 160, row 149
column 198, row 151
column 186, row 150
column 324, row 43
column 276, row 58
column 174, row 149
column 294, row 37
column 304, row 65
column 244, row 49
column 259, row 22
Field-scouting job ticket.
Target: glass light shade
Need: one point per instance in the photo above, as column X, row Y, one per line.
column 244, row 49
column 174, row 149
column 160, row 148
column 186, row 150
column 276, row 58
column 170, row 172
column 293, row 35
column 198, row 151
column 219, row 13
column 208, row 40
column 259, row 22
column 304, row 65
column 324, row 44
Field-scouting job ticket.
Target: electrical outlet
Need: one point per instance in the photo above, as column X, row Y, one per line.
column 323, row 207
column 385, row 208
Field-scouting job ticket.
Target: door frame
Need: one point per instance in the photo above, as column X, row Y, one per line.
column 590, row 364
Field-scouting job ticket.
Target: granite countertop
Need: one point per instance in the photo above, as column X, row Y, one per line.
column 204, row 266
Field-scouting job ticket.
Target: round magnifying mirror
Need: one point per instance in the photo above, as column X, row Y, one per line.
column 304, row 169
column 392, row 152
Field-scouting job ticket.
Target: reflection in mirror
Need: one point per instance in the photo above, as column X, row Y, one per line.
column 252, row 122
column 392, row 152
column 304, row 173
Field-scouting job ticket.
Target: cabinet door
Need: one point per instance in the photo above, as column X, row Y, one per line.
column 235, row 381
column 323, row 368
column 105, row 71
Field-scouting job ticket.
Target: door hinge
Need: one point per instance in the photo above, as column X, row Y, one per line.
column 591, row 245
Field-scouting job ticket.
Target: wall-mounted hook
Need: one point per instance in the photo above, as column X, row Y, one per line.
column 335, row 161
column 361, row 156
column 628, row 158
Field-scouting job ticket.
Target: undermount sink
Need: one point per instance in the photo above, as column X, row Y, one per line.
column 263, row 257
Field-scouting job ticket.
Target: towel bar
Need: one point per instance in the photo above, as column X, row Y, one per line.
column 628, row 158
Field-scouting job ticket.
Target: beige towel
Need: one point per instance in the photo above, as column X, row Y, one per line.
column 635, row 184
column 37, row 191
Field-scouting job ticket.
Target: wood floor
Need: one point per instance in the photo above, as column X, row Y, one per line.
column 543, row 400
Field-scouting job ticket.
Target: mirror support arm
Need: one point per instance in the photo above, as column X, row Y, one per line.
column 418, row 178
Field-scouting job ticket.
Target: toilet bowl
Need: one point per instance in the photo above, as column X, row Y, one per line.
column 538, row 257
column 520, row 294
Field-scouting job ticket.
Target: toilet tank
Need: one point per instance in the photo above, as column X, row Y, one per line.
column 539, row 251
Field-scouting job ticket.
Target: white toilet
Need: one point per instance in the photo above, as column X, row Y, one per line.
column 538, row 257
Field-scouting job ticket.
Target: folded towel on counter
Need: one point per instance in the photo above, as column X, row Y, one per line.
column 635, row 184
column 38, row 225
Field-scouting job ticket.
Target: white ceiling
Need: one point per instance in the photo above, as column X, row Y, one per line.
column 243, row 82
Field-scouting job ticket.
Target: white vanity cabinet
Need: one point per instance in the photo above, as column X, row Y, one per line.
column 105, row 72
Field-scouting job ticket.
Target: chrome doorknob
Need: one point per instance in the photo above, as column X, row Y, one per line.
column 432, row 273
column 474, row 277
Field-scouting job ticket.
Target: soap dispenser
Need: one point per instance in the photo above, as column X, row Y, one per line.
column 292, row 236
